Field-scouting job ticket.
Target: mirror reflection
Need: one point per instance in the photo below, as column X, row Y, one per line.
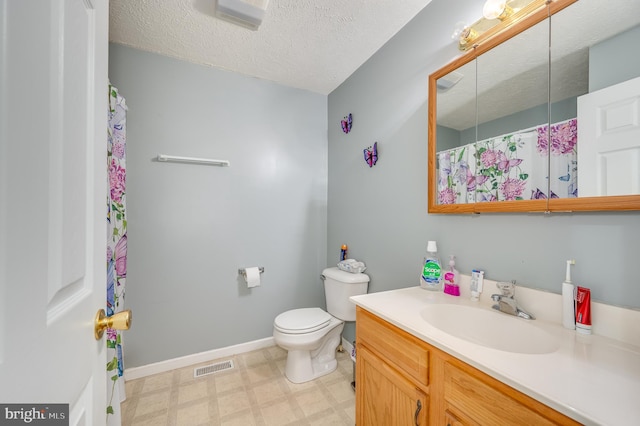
column 512, row 115
column 455, row 131
column 597, row 75
column 501, row 152
column 500, row 103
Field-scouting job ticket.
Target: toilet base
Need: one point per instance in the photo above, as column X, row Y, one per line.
column 301, row 368
column 305, row 365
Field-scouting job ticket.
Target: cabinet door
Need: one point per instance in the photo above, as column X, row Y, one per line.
column 386, row 397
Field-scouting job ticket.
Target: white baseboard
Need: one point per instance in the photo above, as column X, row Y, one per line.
column 185, row 361
column 348, row 347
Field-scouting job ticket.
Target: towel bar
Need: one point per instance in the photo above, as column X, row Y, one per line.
column 174, row 158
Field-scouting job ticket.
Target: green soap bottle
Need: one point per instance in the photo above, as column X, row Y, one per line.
column 431, row 277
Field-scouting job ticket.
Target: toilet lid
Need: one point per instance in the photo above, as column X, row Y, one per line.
column 305, row 320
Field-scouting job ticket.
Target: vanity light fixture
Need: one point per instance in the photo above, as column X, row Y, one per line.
column 497, row 15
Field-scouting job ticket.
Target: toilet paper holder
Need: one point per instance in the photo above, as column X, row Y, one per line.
column 243, row 271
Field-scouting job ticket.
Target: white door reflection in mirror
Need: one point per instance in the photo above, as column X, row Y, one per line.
column 609, row 135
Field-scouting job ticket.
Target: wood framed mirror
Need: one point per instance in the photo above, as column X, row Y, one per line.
column 491, row 148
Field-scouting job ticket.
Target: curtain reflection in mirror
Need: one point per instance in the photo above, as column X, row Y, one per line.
column 511, row 167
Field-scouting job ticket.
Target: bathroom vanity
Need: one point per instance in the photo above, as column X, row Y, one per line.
column 410, row 371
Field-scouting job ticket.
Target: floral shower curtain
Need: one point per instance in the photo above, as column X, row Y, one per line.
column 116, row 242
column 515, row 166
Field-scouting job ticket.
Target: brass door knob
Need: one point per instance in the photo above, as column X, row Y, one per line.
column 119, row 321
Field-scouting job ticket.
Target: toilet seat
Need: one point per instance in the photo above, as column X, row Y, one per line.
column 301, row 321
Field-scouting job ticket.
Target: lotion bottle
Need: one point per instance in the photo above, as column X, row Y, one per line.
column 452, row 279
column 568, row 299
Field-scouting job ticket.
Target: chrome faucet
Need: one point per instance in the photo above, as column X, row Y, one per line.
column 506, row 301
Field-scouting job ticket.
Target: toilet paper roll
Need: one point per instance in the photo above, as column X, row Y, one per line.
column 252, row 276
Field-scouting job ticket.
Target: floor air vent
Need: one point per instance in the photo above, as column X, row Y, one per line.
column 213, row 368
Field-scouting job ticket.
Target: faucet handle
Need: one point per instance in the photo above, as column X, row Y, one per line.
column 507, row 289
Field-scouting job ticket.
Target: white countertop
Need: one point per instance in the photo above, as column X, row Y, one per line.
column 592, row 379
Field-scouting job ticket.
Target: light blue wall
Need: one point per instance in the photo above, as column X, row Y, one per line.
column 614, row 60
column 381, row 212
column 191, row 226
column 560, row 111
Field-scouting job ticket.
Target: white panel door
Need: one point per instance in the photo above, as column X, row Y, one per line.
column 609, row 140
column 53, row 128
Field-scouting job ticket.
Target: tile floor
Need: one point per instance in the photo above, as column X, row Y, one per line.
column 254, row 392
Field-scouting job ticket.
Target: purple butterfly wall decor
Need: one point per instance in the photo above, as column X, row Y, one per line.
column 371, row 155
column 346, row 123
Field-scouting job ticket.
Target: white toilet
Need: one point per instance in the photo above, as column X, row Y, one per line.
column 311, row 335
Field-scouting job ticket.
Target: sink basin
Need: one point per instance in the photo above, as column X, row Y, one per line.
column 489, row 328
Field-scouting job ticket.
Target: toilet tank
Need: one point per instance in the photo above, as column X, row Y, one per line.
column 338, row 287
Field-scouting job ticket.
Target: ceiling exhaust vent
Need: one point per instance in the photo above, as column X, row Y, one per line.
column 213, row 368
column 449, row 80
column 246, row 13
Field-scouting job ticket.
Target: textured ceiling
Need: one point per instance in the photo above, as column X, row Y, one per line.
column 308, row 44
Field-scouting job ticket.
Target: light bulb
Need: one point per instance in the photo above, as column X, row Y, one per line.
column 464, row 34
column 494, row 9
column 460, row 30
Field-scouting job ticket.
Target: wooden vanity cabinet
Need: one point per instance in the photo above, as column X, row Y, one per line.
column 401, row 380
column 392, row 374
